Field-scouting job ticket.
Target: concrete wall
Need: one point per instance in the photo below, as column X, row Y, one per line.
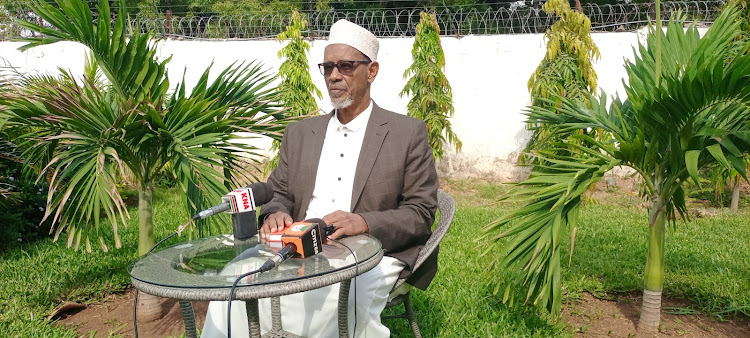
column 488, row 75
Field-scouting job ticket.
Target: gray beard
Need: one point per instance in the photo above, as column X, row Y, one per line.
column 343, row 103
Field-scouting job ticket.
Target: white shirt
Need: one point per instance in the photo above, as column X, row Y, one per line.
column 338, row 163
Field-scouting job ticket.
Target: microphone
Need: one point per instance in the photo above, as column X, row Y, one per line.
column 302, row 239
column 306, row 237
column 240, row 200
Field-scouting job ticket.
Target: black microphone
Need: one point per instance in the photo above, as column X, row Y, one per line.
column 240, row 200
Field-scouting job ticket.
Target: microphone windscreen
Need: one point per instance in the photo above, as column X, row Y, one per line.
column 262, row 192
column 320, row 222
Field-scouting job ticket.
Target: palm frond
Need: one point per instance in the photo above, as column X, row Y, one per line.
column 552, row 196
column 130, row 64
column 73, row 132
column 698, row 114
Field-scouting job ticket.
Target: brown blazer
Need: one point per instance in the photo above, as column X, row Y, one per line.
column 395, row 185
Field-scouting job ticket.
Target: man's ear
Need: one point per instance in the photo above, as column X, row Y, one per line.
column 372, row 71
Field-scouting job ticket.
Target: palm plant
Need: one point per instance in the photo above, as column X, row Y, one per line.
column 8, row 150
column 683, row 113
column 85, row 134
column 721, row 177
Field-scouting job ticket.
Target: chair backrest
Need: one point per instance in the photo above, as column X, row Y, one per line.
column 447, row 208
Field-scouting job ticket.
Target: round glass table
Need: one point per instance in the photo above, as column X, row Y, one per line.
column 206, row 268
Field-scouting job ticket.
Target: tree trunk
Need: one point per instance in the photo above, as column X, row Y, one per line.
column 735, row 194
column 145, row 218
column 149, row 307
column 651, row 307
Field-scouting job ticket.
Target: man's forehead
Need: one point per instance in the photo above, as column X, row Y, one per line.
column 338, row 51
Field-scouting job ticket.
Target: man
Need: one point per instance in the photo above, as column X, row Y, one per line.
column 362, row 169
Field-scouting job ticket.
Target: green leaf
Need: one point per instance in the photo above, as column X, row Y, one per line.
column 691, row 163
column 717, row 153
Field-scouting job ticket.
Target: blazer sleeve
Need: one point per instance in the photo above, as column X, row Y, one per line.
column 409, row 225
column 282, row 198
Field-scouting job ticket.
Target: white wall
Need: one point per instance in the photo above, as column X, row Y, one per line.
column 488, row 75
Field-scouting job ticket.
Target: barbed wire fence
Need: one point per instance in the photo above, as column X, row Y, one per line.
column 459, row 21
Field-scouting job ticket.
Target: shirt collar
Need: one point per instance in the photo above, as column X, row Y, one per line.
column 358, row 122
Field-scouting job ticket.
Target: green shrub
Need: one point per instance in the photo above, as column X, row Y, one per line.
column 21, row 220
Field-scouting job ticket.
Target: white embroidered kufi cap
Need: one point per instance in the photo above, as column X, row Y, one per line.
column 351, row 34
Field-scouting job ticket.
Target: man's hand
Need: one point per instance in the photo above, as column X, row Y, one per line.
column 275, row 222
column 346, row 223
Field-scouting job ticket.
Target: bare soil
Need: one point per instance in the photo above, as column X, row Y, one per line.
column 587, row 317
column 592, row 317
column 114, row 317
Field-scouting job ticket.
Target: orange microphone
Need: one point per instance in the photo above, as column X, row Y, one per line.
column 306, row 237
column 301, row 239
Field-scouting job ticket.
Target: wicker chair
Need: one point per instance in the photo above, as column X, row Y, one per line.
column 447, row 207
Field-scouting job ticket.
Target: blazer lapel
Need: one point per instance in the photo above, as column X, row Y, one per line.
column 312, row 146
column 377, row 128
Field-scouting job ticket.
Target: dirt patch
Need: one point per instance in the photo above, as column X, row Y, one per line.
column 592, row 317
column 114, row 316
column 587, row 317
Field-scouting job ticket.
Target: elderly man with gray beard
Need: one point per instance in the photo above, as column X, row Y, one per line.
column 362, row 169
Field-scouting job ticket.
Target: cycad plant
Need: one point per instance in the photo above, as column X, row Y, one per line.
column 84, row 134
column 682, row 113
column 567, row 70
column 297, row 92
column 431, row 94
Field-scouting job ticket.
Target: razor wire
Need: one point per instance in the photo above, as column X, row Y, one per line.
column 459, row 21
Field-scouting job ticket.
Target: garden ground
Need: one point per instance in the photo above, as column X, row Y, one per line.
column 708, row 264
column 588, row 317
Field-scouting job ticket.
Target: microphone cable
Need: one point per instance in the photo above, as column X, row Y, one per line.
column 268, row 265
column 356, row 273
column 135, row 300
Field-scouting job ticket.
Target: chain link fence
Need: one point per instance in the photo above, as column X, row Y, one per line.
column 402, row 22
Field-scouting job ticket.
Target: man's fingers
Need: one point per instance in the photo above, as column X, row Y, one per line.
column 334, row 217
column 264, row 231
column 275, row 222
column 337, row 234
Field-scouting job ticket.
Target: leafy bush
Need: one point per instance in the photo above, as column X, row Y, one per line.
column 20, row 221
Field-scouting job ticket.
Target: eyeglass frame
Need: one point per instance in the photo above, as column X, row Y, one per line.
column 337, row 65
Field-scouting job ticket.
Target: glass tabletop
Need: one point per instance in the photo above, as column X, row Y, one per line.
column 215, row 262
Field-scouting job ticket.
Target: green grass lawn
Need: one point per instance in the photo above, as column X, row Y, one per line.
column 708, row 262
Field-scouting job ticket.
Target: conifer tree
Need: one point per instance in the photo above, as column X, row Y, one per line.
column 296, row 89
column 431, row 95
column 566, row 71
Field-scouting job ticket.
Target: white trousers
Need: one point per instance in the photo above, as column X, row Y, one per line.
column 315, row 313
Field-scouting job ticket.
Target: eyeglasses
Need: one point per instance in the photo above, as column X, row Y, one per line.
column 345, row 67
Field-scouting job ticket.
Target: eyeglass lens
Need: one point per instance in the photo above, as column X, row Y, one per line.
column 344, row 67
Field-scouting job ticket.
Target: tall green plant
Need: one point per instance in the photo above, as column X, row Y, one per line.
column 297, row 92
column 741, row 45
column 431, row 94
column 85, row 135
column 677, row 119
column 567, row 69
